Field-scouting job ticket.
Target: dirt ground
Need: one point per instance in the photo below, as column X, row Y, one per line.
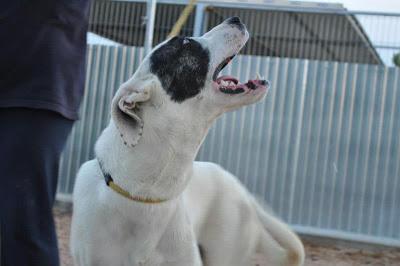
column 316, row 254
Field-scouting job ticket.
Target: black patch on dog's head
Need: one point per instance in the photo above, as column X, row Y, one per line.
column 181, row 64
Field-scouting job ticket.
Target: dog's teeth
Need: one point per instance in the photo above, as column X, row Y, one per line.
column 258, row 76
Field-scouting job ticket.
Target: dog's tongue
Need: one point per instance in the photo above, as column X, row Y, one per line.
column 227, row 78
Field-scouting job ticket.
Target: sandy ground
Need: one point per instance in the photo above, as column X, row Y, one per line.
column 316, row 254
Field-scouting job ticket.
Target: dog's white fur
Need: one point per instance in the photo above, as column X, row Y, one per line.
column 152, row 156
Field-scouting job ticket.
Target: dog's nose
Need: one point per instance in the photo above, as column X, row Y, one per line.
column 265, row 83
column 234, row 20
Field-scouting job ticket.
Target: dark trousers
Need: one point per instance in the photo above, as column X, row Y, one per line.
column 31, row 142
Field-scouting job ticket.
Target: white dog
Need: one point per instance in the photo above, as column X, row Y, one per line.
column 143, row 200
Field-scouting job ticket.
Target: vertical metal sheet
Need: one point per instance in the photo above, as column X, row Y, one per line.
column 323, row 148
column 107, row 68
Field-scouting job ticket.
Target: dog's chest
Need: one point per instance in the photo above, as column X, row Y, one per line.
column 130, row 243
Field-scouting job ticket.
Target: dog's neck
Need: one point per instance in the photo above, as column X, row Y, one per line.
column 155, row 167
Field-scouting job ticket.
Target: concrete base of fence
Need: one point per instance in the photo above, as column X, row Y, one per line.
column 344, row 238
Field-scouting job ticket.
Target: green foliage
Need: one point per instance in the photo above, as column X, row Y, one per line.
column 396, row 59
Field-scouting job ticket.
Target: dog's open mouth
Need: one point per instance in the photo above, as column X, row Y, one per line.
column 231, row 85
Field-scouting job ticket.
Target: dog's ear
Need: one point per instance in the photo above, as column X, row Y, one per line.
column 127, row 114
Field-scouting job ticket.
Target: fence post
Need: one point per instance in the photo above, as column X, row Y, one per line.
column 199, row 20
column 150, row 19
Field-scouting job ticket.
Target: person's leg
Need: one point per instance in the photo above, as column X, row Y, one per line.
column 31, row 142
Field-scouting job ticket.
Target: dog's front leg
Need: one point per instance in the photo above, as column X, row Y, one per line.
column 178, row 244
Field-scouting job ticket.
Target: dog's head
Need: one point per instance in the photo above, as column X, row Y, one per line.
column 178, row 84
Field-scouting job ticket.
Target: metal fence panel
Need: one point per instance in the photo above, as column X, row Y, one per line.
column 280, row 29
column 323, row 149
column 107, row 68
column 125, row 21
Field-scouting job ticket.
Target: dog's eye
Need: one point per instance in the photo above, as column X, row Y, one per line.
column 186, row 41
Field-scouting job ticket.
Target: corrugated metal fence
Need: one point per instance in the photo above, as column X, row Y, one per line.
column 107, row 68
column 323, row 149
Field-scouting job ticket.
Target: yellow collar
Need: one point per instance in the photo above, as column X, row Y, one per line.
column 123, row 192
column 127, row 195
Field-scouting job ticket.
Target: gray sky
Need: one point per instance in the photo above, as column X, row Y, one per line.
column 367, row 5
